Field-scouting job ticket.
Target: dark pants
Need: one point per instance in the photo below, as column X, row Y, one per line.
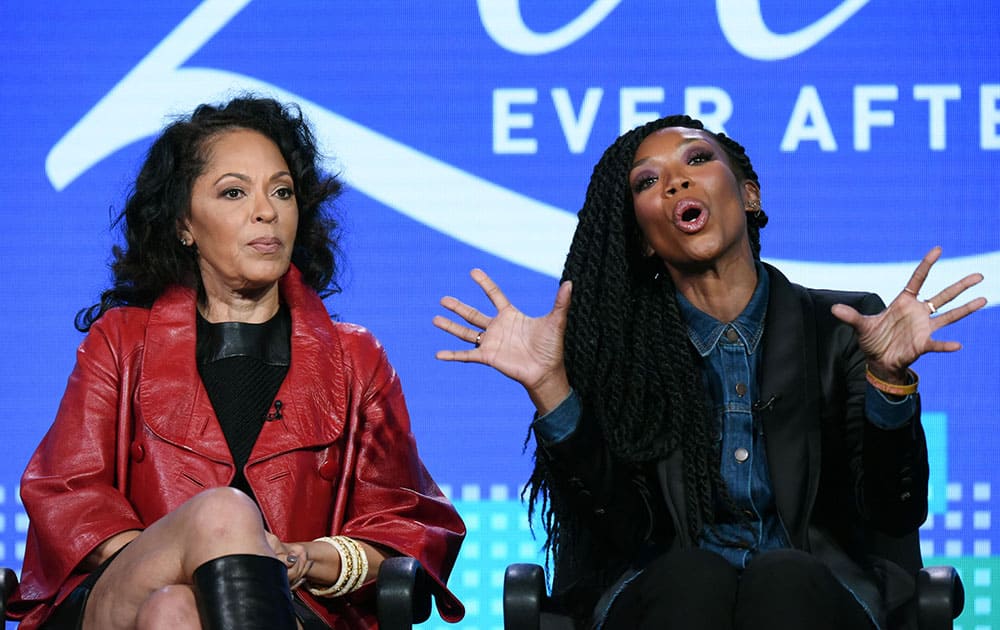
column 698, row 589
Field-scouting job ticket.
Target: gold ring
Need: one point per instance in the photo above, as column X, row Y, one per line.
column 910, row 291
column 930, row 306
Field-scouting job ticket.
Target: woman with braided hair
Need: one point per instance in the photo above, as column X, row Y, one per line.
column 713, row 441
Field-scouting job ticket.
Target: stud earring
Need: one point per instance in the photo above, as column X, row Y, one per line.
column 184, row 242
column 754, row 207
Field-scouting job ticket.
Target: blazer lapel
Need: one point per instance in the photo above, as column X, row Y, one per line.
column 173, row 401
column 313, row 394
column 670, row 474
column 789, row 388
column 176, row 406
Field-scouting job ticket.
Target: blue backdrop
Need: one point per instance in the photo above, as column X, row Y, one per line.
column 467, row 133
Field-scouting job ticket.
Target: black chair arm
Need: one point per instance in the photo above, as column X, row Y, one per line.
column 523, row 596
column 940, row 597
column 403, row 593
column 8, row 585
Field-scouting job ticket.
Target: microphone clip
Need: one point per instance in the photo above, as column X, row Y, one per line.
column 765, row 405
column 276, row 415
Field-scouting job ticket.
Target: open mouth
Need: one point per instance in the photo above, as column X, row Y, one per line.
column 690, row 214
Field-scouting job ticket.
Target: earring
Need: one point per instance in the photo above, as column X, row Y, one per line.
column 754, row 207
column 184, row 242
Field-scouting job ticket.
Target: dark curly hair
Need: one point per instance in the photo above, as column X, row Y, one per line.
column 628, row 356
column 152, row 257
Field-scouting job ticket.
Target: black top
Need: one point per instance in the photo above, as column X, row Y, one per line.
column 242, row 367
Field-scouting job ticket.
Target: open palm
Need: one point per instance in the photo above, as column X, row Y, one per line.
column 526, row 349
column 893, row 339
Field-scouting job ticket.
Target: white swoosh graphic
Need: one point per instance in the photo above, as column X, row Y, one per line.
column 888, row 279
column 743, row 26
column 504, row 24
column 470, row 209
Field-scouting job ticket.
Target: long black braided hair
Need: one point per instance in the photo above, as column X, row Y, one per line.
column 628, row 355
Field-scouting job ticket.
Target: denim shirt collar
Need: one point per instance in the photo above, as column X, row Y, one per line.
column 705, row 331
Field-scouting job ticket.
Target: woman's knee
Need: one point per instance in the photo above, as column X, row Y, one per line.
column 693, row 576
column 222, row 512
column 787, row 573
column 687, row 588
column 792, row 589
column 689, row 567
column 787, row 565
column 170, row 608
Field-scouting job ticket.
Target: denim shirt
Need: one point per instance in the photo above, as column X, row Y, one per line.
column 731, row 365
column 731, row 362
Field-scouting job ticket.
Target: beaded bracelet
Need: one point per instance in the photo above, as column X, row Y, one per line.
column 353, row 567
column 891, row 388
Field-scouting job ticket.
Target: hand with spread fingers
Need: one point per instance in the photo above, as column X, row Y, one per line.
column 526, row 349
column 893, row 339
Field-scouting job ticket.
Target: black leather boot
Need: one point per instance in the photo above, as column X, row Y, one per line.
column 244, row 592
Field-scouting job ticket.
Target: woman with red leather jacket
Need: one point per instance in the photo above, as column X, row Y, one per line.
column 226, row 455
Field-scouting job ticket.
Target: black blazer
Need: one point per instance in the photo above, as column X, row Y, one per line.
column 840, row 483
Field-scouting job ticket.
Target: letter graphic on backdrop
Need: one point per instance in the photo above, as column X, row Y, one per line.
column 502, row 20
column 741, row 20
column 937, row 97
column 743, row 25
column 808, row 123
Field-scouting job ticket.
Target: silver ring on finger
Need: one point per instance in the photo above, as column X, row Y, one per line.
column 479, row 338
column 930, row 306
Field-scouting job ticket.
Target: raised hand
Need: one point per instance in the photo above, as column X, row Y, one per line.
column 526, row 349
column 893, row 339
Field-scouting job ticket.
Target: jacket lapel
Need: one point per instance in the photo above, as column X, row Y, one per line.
column 173, row 402
column 670, row 474
column 791, row 426
column 176, row 407
column 313, row 394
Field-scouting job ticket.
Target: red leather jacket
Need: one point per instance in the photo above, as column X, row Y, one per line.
column 136, row 436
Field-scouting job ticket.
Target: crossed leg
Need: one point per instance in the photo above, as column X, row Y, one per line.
column 149, row 584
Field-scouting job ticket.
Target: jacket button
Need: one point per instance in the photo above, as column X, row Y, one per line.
column 328, row 470
column 138, row 451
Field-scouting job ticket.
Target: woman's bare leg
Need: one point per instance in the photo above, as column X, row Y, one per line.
column 215, row 523
column 169, row 608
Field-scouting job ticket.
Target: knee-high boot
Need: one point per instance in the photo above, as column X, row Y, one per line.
column 245, row 592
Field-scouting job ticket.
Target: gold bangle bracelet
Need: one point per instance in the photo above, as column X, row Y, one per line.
column 891, row 388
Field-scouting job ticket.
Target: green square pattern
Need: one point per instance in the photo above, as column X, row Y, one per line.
column 981, row 578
